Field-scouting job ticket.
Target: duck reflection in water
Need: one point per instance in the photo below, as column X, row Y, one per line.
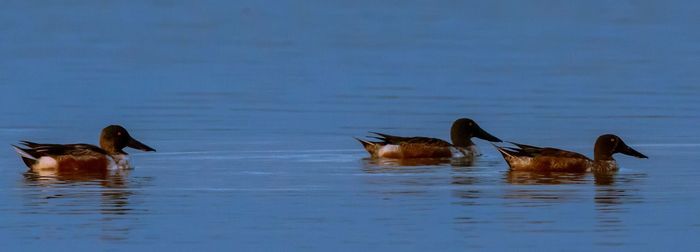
column 79, row 188
column 600, row 177
column 614, row 193
column 544, row 177
column 459, row 162
column 105, row 178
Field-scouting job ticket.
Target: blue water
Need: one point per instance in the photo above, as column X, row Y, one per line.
column 252, row 106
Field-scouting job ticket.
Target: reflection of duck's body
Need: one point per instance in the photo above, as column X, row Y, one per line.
column 49, row 159
column 531, row 158
column 105, row 178
column 108, row 195
column 397, row 147
column 518, row 177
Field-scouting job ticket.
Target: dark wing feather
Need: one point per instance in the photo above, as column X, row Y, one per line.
column 509, row 151
column 38, row 150
column 29, row 144
column 527, row 148
column 553, row 152
column 389, row 139
column 534, row 151
column 428, row 141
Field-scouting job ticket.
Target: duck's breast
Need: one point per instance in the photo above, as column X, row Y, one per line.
column 464, row 152
column 120, row 162
column 604, row 166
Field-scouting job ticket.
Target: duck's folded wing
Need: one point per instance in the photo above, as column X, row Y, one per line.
column 522, row 150
column 38, row 150
column 428, row 141
column 390, row 139
column 553, row 152
column 534, row 151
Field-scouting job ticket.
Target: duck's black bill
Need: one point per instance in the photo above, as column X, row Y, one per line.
column 480, row 133
column 624, row 149
column 133, row 143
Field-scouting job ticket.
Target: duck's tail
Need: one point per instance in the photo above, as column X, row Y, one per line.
column 508, row 154
column 371, row 147
column 27, row 158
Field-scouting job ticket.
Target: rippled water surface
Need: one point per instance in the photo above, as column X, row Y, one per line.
column 252, row 107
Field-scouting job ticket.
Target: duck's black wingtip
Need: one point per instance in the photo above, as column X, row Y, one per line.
column 28, row 159
column 364, row 143
column 513, row 143
column 29, row 144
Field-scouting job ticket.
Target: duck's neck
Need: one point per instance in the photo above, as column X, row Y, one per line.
column 460, row 138
column 462, row 142
column 600, row 156
column 111, row 150
column 602, row 152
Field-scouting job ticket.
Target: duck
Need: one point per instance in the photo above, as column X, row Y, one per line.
column 531, row 158
column 82, row 157
column 398, row 147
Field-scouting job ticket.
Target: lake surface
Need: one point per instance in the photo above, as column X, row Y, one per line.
column 252, row 107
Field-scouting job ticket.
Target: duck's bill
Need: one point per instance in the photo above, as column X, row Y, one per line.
column 480, row 133
column 133, row 143
column 631, row 152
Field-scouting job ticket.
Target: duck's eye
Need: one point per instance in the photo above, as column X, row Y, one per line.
column 119, row 133
column 612, row 139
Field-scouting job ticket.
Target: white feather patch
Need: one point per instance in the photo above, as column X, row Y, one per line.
column 520, row 161
column 119, row 162
column 45, row 163
column 459, row 152
column 389, row 148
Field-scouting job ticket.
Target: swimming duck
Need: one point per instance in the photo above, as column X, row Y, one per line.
column 532, row 158
column 82, row 157
column 398, row 147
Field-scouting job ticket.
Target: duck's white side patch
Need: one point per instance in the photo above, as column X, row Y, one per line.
column 45, row 162
column 389, row 148
column 519, row 161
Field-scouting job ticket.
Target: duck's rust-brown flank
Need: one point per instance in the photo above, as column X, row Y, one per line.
column 418, row 150
column 82, row 163
column 552, row 163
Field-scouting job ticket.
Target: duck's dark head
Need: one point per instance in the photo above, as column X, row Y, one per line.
column 464, row 129
column 114, row 138
column 609, row 144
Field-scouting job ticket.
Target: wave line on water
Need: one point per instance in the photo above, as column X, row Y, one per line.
column 671, row 145
column 259, row 151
